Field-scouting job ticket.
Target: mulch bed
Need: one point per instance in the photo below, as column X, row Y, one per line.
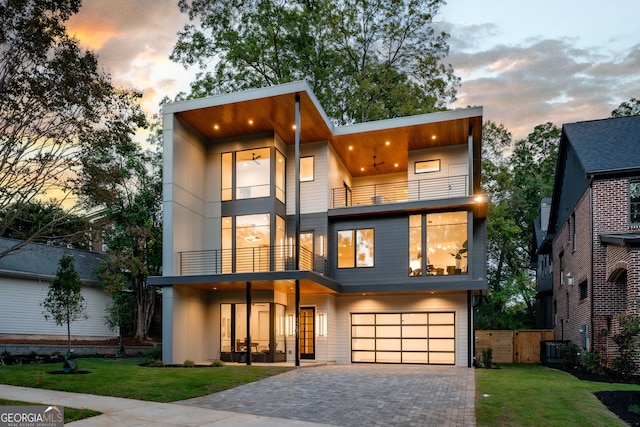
column 617, row 402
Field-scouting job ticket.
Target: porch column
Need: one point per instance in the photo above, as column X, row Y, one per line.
column 297, row 227
column 470, row 327
column 248, row 340
column 297, row 343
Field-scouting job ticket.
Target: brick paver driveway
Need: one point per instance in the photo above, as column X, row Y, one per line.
column 358, row 395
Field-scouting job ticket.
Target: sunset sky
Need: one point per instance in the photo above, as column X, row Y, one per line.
column 525, row 62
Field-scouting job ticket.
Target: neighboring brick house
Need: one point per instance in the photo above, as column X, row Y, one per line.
column 594, row 230
column 286, row 237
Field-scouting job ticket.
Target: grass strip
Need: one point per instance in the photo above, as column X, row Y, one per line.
column 126, row 378
column 535, row 395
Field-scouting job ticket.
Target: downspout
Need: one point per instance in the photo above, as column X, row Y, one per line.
column 592, row 337
column 297, row 227
column 248, row 340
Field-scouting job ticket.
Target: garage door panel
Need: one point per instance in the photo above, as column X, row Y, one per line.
column 415, row 345
column 363, row 331
column 441, row 318
column 388, row 319
column 441, row 345
column 415, row 318
column 388, row 357
column 387, row 331
column 415, row 331
column 388, row 344
column 363, row 344
column 441, row 331
column 441, row 358
column 363, row 356
column 415, row 357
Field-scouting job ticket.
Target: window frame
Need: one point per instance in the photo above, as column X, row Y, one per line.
column 313, row 169
column 355, row 232
column 636, row 203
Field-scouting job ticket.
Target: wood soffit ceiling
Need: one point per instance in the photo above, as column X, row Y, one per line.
column 355, row 149
column 284, row 286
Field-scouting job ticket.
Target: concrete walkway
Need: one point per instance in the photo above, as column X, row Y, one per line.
column 342, row 395
column 121, row 412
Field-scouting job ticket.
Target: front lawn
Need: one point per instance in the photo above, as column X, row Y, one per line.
column 534, row 395
column 126, row 378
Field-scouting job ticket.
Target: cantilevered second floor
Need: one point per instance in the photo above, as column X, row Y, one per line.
column 393, row 201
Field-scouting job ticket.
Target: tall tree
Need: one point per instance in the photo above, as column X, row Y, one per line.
column 365, row 60
column 64, row 302
column 627, row 108
column 56, row 105
column 134, row 239
column 64, row 228
column 516, row 176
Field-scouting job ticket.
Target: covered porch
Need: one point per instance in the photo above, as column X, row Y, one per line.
column 206, row 317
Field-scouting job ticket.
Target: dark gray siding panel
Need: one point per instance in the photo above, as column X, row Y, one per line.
column 391, row 240
column 575, row 183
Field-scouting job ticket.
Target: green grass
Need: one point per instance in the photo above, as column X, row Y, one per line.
column 125, row 378
column 534, row 395
column 70, row 414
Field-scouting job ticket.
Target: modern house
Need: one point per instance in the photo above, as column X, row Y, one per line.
column 594, row 232
column 25, row 276
column 289, row 238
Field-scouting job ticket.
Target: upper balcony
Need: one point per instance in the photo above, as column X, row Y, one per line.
column 400, row 192
column 249, row 260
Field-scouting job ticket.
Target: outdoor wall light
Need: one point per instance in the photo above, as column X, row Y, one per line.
column 290, row 323
column 321, row 325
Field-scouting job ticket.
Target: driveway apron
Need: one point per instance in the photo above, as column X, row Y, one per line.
column 357, row 395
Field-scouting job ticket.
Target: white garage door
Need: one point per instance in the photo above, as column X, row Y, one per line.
column 422, row 337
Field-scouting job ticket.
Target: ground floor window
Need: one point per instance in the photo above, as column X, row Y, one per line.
column 266, row 330
column 416, row 337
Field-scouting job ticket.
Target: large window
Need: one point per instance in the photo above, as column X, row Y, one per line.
column 246, row 243
column 634, row 202
column 438, row 243
column 253, row 173
column 355, row 248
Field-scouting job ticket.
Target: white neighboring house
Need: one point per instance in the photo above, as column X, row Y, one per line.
column 25, row 276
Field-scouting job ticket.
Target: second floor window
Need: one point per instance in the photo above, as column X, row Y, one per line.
column 634, row 202
column 247, row 174
column 355, row 248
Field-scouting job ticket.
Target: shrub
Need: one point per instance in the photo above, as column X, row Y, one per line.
column 628, row 344
column 486, row 358
column 569, row 355
column 155, row 363
column 188, row 363
column 217, row 363
column 154, row 353
column 593, row 363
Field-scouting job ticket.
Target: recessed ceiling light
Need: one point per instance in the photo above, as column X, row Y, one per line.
column 216, row 127
column 293, row 127
column 387, row 143
column 362, row 169
column 433, row 137
column 351, row 147
column 395, row 165
column 251, row 121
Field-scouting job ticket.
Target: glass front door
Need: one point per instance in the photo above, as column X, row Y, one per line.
column 307, row 333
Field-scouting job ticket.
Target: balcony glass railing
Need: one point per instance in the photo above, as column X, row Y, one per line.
column 400, row 192
column 248, row 260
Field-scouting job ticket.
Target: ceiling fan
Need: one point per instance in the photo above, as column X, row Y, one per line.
column 375, row 165
column 255, row 158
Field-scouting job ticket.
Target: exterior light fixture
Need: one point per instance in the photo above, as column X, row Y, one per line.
column 321, row 325
column 289, row 325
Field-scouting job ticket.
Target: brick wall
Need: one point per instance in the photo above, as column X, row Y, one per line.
column 597, row 265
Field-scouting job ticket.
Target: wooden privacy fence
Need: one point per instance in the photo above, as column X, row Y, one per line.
column 512, row 346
